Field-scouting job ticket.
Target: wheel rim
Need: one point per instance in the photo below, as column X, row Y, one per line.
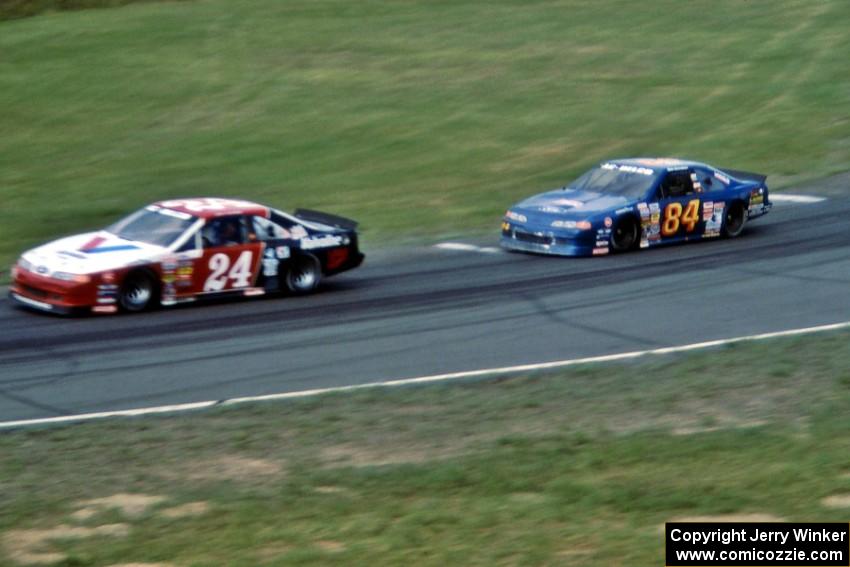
column 137, row 294
column 624, row 236
column 734, row 220
column 303, row 277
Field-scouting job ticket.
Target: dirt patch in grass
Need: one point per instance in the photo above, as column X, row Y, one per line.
column 722, row 424
column 387, row 454
column 837, row 501
column 32, row 547
column 272, row 553
column 331, row 546
column 189, row 510
column 225, row 468
column 731, row 518
column 330, row 490
column 129, row 505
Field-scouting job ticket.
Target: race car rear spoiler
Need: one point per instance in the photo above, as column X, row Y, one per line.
column 745, row 175
column 325, row 218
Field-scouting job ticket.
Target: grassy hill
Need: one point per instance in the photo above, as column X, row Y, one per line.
column 418, row 118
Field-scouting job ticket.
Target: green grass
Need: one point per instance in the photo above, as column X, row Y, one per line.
column 419, row 118
column 11, row 9
column 581, row 467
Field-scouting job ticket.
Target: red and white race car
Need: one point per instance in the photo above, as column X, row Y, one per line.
column 182, row 250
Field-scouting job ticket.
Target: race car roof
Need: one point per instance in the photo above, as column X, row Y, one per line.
column 659, row 164
column 212, row 207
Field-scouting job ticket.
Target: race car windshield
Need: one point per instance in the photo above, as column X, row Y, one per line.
column 611, row 179
column 152, row 225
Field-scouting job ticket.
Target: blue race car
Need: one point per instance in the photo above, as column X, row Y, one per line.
column 629, row 203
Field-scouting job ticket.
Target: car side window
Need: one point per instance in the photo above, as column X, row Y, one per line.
column 676, row 184
column 224, row 231
column 265, row 229
column 704, row 180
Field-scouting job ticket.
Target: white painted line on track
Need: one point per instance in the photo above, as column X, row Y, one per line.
column 789, row 198
column 103, row 414
column 463, row 247
column 425, row 379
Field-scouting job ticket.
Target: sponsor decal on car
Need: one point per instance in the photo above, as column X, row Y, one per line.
column 715, row 221
column 627, row 168
column 204, row 204
column 298, row 232
column 326, row 241
column 104, row 309
column 660, row 162
column 270, row 267
column 756, row 206
column 107, row 293
column 185, row 273
column 599, row 251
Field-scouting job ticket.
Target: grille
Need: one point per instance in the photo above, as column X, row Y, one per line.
column 532, row 238
column 34, row 291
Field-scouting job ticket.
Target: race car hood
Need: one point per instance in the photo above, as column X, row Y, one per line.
column 90, row 253
column 569, row 203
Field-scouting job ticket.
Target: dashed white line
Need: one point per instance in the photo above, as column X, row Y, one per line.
column 789, row 198
column 425, row 379
column 463, row 247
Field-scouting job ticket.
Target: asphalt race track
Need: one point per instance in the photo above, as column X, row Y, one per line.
column 422, row 311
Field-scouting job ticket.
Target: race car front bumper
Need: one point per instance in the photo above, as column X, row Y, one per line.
column 46, row 294
column 526, row 239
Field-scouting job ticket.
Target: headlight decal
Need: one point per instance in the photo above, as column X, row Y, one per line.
column 66, row 277
column 580, row 225
column 515, row 216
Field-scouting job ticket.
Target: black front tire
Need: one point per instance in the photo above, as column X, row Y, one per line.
column 138, row 292
column 735, row 218
column 626, row 235
column 303, row 274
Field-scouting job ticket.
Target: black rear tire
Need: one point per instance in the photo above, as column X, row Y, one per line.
column 138, row 292
column 626, row 235
column 303, row 274
column 734, row 219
